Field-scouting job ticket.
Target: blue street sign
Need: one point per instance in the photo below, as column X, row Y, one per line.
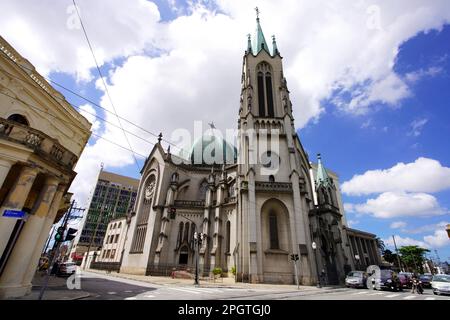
column 14, row 213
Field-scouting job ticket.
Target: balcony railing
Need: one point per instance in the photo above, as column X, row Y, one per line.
column 189, row 203
column 43, row 145
column 274, row 186
column 229, row 199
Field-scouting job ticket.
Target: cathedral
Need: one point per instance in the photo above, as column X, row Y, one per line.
column 259, row 204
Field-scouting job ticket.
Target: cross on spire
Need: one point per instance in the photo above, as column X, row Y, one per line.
column 257, row 12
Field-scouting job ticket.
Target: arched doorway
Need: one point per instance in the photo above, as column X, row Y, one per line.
column 276, row 242
column 183, row 256
column 330, row 261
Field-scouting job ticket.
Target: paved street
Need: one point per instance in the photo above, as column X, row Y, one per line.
column 105, row 287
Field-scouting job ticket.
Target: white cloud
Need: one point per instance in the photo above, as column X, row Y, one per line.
column 90, row 114
column 352, row 223
column 427, row 228
column 48, row 32
column 421, row 73
column 417, row 126
column 438, row 239
column 398, row 204
column 400, row 242
column 422, row 175
column 398, row 225
column 165, row 75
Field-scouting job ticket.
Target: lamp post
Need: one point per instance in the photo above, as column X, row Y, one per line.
column 357, row 261
column 198, row 237
column 314, row 246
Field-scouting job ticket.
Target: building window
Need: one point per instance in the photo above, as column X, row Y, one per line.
column 113, row 253
column 265, row 90
column 117, row 238
column 108, row 253
column 19, row 119
column 120, row 225
column 271, row 178
column 203, row 190
column 273, row 230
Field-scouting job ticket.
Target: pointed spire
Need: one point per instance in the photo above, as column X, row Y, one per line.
column 274, row 46
column 249, row 43
column 259, row 42
column 322, row 177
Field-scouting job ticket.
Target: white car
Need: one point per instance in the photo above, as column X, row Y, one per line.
column 441, row 284
column 67, row 268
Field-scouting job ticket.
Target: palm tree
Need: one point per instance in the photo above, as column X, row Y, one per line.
column 380, row 244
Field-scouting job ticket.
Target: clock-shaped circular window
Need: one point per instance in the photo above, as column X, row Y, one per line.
column 270, row 160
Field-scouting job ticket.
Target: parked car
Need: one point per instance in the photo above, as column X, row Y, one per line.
column 405, row 281
column 356, row 279
column 386, row 279
column 66, row 268
column 426, row 280
column 440, row 283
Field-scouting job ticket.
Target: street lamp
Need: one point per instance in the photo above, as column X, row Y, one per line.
column 357, row 261
column 198, row 238
column 314, row 246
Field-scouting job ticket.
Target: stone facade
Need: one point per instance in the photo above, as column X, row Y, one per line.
column 256, row 207
column 41, row 139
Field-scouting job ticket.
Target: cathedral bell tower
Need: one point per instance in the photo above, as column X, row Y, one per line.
column 272, row 171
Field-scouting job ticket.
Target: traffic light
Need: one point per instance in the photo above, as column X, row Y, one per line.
column 173, row 212
column 59, row 234
column 70, row 234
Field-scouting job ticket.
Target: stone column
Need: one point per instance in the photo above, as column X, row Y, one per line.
column 5, row 166
column 23, row 251
column 254, row 224
column 40, row 243
column 15, row 200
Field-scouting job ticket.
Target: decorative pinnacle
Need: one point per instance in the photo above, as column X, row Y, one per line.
column 318, row 156
column 160, row 137
column 257, row 13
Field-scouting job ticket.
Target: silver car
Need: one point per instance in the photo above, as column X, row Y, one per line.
column 441, row 284
column 356, row 279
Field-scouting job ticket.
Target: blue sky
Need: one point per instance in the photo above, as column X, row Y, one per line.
column 369, row 84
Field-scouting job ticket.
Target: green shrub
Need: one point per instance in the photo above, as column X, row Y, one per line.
column 217, row 271
column 233, row 270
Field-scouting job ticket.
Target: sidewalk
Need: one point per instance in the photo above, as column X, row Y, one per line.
column 220, row 283
column 56, row 289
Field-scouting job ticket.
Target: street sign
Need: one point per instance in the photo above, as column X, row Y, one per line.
column 18, row 214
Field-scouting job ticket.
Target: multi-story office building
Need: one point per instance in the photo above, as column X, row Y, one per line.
column 113, row 196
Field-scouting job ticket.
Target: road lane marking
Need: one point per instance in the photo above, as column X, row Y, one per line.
column 185, row 290
column 149, row 296
column 128, row 291
column 362, row 292
column 112, row 292
column 375, row 294
column 430, row 298
column 392, row 295
column 131, row 298
column 409, row 297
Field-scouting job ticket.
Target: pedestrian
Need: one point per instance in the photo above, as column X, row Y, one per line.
column 414, row 284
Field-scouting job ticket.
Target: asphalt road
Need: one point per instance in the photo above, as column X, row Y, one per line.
column 105, row 288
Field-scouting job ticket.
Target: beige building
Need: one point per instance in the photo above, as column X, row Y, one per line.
column 256, row 204
column 114, row 241
column 41, row 139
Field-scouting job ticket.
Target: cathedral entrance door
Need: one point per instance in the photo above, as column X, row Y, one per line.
column 183, row 258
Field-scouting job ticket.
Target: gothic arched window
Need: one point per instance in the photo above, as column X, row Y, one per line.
column 203, row 190
column 273, row 231
column 180, row 234
column 265, row 90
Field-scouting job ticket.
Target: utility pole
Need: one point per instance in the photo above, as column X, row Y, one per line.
column 56, row 249
column 398, row 257
column 93, row 236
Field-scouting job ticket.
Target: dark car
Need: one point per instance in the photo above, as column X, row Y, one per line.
column 426, row 280
column 386, row 279
column 405, row 281
column 356, row 279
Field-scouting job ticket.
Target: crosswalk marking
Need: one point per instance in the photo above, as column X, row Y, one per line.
column 362, row 292
column 392, row 295
column 409, row 297
column 375, row 294
column 185, row 290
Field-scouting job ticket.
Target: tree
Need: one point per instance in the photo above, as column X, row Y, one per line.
column 413, row 257
column 380, row 244
column 390, row 257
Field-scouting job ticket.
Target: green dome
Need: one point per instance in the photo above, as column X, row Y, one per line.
column 211, row 149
